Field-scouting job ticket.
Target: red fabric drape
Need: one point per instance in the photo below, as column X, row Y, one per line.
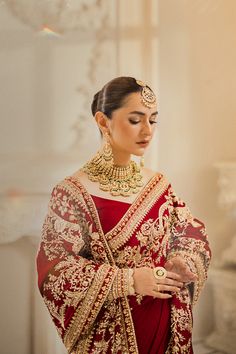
column 151, row 318
column 88, row 245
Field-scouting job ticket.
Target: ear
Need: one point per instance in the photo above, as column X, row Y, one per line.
column 102, row 122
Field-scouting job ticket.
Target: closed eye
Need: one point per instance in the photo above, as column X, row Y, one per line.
column 132, row 121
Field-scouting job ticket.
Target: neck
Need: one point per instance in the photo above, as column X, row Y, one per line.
column 121, row 158
column 121, row 178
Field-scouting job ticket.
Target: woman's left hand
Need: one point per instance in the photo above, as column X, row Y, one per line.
column 178, row 265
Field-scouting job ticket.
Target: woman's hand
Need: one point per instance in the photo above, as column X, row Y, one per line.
column 178, row 265
column 146, row 284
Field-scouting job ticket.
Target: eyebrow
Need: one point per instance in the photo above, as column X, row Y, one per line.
column 143, row 114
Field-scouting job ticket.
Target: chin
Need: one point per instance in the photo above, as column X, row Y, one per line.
column 138, row 153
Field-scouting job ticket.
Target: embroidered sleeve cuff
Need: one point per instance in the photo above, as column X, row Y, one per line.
column 123, row 284
column 196, row 265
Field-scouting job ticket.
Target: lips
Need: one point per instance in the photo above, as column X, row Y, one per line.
column 143, row 143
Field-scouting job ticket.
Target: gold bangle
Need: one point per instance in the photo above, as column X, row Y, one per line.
column 131, row 282
column 159, row 273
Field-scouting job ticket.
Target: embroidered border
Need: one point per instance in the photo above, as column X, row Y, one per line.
column 76, row 185
column 129, row 328
column 195, row 261
column 136, row 213
column 105, row 274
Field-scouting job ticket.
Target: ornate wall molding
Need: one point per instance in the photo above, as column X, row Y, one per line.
column 59, row 15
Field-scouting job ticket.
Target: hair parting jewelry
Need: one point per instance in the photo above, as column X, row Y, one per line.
column 147, row 95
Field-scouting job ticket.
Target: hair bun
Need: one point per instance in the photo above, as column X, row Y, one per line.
column 94, row 105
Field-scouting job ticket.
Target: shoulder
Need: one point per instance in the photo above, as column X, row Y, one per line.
column 75, row 178
column 150, row 174
column 67, row 188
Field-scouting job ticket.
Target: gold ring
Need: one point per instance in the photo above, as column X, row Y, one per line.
column 156, row 289
column 159, row 273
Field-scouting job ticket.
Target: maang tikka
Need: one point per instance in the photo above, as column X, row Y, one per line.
column 147, row 95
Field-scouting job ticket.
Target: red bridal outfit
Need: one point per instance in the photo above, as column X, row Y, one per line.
column 88, row 246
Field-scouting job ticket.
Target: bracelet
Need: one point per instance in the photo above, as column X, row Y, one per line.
column 131, row 290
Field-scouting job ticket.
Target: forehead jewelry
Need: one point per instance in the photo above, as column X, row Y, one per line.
column 148, row 97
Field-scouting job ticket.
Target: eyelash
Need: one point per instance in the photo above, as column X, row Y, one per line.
column 136, row 122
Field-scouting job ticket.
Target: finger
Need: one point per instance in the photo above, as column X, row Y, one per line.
column 191, row 274
column 169, row 288
column 183, row 268
column 161, row 295
column 168, row 265
column 191, row 277
column 179, row 263
column 173, row 275
column 172, row 282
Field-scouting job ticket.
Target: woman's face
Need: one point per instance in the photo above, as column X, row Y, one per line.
column 131, row 127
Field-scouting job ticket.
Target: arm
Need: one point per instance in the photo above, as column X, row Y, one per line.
column 73, row 284
column 189, row 253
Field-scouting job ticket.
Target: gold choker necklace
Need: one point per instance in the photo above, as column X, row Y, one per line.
column 117, row 180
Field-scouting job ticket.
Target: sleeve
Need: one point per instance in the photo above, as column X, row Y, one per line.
column 189, row 240
column 74, row 286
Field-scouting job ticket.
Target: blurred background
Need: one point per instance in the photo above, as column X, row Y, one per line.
column 54, row 56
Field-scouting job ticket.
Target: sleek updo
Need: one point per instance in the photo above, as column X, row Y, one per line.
column 113, row 95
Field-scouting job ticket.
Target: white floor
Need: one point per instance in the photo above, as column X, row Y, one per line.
column 200, row 348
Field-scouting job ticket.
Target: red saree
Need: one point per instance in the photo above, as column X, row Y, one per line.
column 87, row 248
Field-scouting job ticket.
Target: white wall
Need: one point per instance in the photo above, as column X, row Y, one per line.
column 184, row 49
column 198, row 112
column 16, row 300
column 47, row 131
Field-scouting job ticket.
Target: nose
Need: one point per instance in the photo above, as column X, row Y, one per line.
column 147, row 129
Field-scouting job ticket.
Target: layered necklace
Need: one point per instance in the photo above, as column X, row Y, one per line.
column 117, row 180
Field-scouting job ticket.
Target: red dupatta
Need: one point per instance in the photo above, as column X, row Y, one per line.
column 79, row 266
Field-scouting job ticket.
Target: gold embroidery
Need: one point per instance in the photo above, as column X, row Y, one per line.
column 181, row 321
column 188, row 240
column 91, row 209
column 92, row 304
column 136, row 213
column 131, row 339
column 73, row 220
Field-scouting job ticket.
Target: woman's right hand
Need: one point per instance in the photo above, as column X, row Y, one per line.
column 146, row 284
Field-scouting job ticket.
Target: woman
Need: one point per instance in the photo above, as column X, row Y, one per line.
column 121, row 260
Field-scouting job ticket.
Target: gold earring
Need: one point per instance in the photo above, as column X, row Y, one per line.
column 141, row 163
column 107, row 150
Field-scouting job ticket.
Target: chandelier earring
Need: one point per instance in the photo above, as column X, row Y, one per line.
column 117, row 180
column 107, row 150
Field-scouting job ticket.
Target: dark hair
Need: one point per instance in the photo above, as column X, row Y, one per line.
column 112, row 96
